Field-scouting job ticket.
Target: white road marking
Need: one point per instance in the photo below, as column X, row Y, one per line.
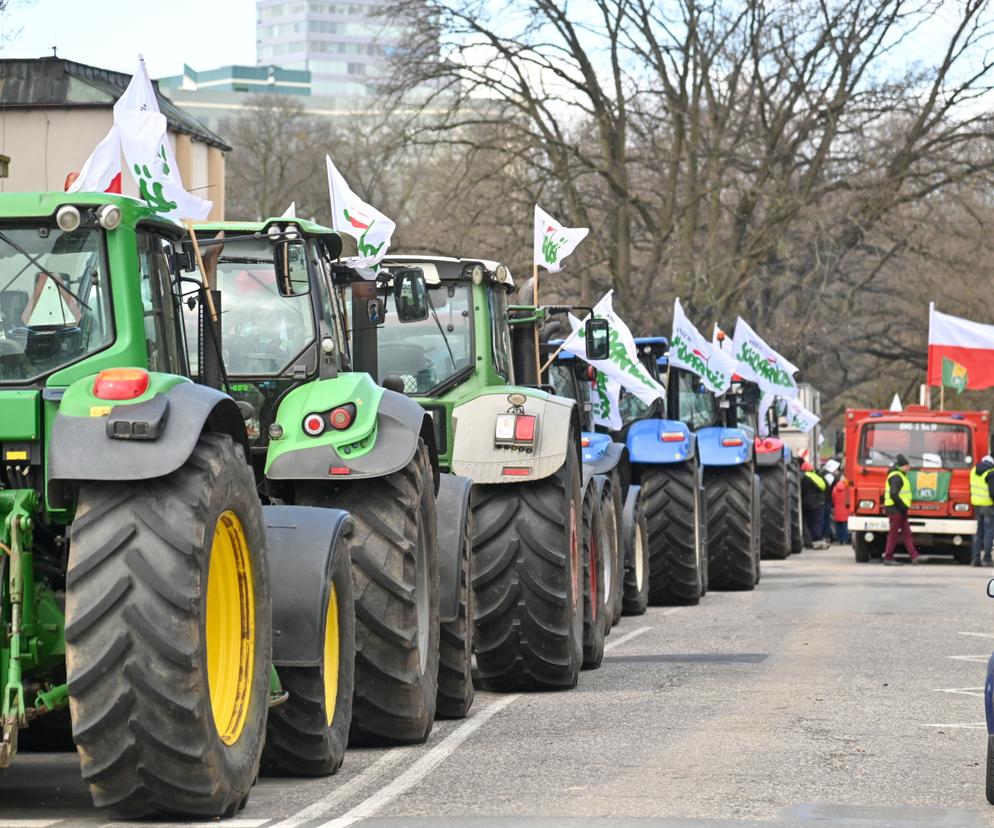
column 617, row 642
column 29, row 823
column 969, row 725
column 978, row 659
column 977, row 692
column 978, row 635
column 420, row 769
column 321, row 807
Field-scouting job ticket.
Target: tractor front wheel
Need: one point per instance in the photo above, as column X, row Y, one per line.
column 595, row 569
column 673, row 513
column 168, row 637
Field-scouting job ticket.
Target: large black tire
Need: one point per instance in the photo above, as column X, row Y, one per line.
column 614, row 555
column 455, row 645
column 861, row 547
column 527, row 578
column 302, row 739
column 595, row 564
column 732, row 559
column 168, row 609
column 794, row 492
column 775, row 510
column 673, row 513
column 394, row 553
column 990, row 770
column 636, row 597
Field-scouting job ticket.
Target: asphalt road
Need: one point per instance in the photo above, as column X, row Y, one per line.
column 835, row 694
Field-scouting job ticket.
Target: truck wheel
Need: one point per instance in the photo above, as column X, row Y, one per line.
column 168, row 637
column 775, row 504
column 455, row 645
column 614, row 550
column 730, row 492
column 672, row 507
column 527, row 575
column 595, row 568
column 990, row 769
column 861, row 547
column 796, row 535
column 308, row 733
column 636, row 534
column 394, row 554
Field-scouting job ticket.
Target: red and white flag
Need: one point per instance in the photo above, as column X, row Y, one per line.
column 953, row 341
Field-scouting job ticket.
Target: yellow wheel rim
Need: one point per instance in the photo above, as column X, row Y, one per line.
column 331, row 647
column 230, row 627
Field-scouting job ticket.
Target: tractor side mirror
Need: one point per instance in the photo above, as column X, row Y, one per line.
column 410, row 294
column 290, row 261
column 597, row 334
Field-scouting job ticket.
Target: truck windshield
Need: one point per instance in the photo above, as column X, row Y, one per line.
column 263, row 331
column 926, row 445
column 54, row 300
column 427, row 353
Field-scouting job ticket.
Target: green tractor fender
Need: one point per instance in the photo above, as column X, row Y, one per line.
column 303, row 546
column 148, row 436
column 378, row 435
column 485, row 456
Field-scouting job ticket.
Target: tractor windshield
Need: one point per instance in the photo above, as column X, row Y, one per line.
column 54, row 300
column 264, row 331
column 425, row 354
column 926, row 445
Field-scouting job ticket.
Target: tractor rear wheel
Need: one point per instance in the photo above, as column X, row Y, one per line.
column 673, row 513
column 614, row 550
column 775, row 509
column 733, row 562
column 455, row 645
column 394, row 553
column 168, row 637
column 636, row 534
column 595, row 567
column 527, row 574
column 308, row 733
column 794, row 492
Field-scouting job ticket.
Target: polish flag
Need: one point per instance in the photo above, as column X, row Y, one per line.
column 970, row 344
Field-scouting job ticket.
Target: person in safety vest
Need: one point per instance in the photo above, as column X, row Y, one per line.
column 982, row 499
column 897, row 501
column 813, row 488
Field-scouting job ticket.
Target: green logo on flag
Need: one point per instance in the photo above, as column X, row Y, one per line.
column 929, row 486
column 550, row 247
column 954, row 375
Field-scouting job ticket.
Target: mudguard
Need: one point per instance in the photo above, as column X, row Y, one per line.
column 303, row 544
column 475, row 455
column 628, row 523
column 711, row 445
column 452, row 510
column 989, row 696
column 81, row 448
column 601, row 453
column 769, row 451
column 647, row 444
column 382, row 439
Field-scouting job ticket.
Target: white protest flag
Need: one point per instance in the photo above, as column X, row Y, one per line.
column 101, row 173
column 760, row 364
column 605, row 392
column 291, row 211
column 622, row 364
column 799, row 417
column 553, row 242
column 690, row 350
column 368, row 226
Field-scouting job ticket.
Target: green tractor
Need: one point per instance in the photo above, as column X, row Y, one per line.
column 145, row 592
column 323, row 434
column 471, row 364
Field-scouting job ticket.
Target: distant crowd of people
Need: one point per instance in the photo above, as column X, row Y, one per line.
column 825, row 504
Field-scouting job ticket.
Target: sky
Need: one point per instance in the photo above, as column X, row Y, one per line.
column 111, row 33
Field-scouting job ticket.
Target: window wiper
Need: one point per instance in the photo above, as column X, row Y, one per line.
column 55, row 279
column 438, row 324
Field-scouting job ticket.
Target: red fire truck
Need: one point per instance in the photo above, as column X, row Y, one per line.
column 941, row 446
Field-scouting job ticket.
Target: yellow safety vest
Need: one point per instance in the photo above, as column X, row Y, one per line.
column 980, row 493
column 817, row 479
column 904, row 494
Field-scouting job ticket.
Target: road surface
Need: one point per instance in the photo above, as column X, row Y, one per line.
column 835, row 694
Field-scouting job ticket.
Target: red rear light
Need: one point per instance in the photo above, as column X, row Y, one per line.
column 585, row 442
column 671, row 436
column 731, row 441
column 516, row 471
column 591, row 373
column 339, row 470
column 341, row 417
column 120, row 383
column 767, row 444
column 524, row 428
column 314, row 424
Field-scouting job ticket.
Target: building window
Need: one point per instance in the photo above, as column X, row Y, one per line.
column 357, row 69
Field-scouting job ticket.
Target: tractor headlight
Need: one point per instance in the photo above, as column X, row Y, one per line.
column 67, row 218
column 109, row 216
column 501, row 274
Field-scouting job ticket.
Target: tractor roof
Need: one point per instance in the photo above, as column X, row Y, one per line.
column 306, row 228
column 445, row 268
column 45, row 204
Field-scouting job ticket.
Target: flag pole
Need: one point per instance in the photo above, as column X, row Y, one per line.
column 538, row 354
column 942, row 397
column 203, row 270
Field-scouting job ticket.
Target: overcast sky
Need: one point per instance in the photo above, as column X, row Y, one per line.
column 111, row 33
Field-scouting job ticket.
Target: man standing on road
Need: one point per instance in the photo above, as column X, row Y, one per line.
column 813, row 488
column 897, row 501
column 982, row 498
